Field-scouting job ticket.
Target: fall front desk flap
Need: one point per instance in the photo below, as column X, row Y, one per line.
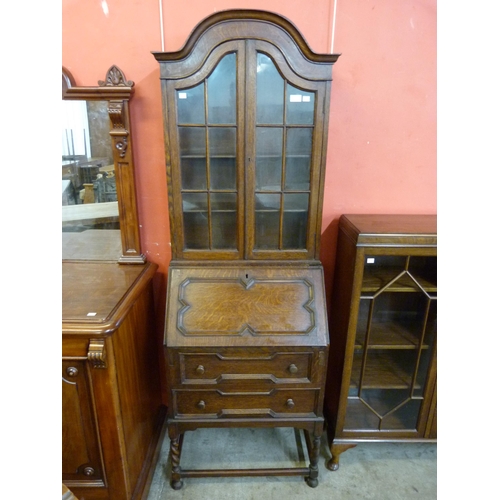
column 234, row 306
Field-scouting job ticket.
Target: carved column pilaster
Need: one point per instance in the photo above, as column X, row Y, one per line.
column 118, row 112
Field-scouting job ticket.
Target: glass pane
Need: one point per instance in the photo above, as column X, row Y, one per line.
column 397, row 319
column 427, row 349
column 193, row 157
column 423, row 367
column 381, row 269
column 223, row 202
column 424, row 270
column 268, row 162
column 298, row 158
column 222, row 91
column 192, row 141
column 194, row 202
column 267, row 202
column 191, row 105
column 379, row 410
column 223, row 173
column 404, row 418
column 387, row 369
column 222, row 144
column 224, row 230
column 360, row 417
column 195, row 217
column 267, row 221
column 295, row 220
column 431, row 325
column 193, row 173
column 395, row 341
column 299, row 106
column 270, row 92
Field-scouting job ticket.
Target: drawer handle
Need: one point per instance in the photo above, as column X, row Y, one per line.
column 200, row 369
column 289, row 403
column 293, row 368
column 89, row 471
column 201, row 405
column 72, row 371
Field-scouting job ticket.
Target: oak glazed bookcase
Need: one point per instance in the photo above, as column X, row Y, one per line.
column 245, row 105
column 382, row 370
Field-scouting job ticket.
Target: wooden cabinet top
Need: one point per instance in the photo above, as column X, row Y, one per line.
column 96, row 295
column 390, row 229
column 244, row 106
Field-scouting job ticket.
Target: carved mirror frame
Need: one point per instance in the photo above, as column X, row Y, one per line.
column 117, row 90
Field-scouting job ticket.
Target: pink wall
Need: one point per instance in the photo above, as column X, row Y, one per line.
column 382, row 144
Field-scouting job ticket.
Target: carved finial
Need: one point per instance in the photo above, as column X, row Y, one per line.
column 115, row 78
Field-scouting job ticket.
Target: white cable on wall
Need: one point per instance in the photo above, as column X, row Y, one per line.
column 160, row 3
column 333, row 24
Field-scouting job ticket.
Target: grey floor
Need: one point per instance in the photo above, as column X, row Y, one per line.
column 378, row 471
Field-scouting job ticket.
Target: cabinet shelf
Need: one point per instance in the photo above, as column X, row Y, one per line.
column 205, row 156
column 193, row 211
column 384, row 370
column 376, row 278
column 270, row 210
column 275, row 156
column 389, row 335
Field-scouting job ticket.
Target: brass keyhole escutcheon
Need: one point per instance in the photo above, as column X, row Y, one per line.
column 293, row 368
column 201, row 405
column 200, row 369
column 289, row 403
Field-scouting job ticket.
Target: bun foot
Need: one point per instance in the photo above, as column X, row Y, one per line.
column 312, row 482
column 336, row 450
column 331, row 465
column 176, row 485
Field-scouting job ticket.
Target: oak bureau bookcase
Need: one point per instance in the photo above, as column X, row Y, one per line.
column 246, row 106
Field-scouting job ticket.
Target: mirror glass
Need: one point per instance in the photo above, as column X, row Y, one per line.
column 90, row 217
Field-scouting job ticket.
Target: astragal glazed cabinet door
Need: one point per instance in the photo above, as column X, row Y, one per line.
column 382, row 371
column 245, row 142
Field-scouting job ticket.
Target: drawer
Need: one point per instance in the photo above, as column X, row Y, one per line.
column 215, row 368
column 75, row 347
column 220, row 404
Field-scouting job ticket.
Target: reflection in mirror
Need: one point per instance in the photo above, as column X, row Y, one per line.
column 99, row 214
column 87, row 157
column 88, row 181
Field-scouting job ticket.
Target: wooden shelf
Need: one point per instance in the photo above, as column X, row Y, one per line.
column 389, row 335
column 384, row 370
column 376, row 278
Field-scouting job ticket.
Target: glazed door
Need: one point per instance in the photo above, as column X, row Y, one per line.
column 207, row 131
column 247, row 137
column 394, row 363
column 285, row 132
